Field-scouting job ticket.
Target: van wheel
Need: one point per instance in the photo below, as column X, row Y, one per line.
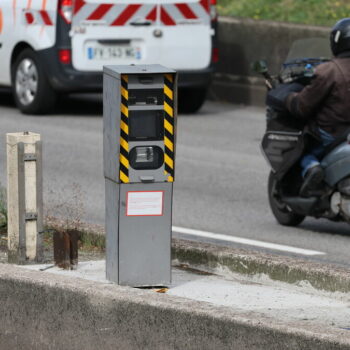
column 32, row 91
column 191, row 100
column 283, row 214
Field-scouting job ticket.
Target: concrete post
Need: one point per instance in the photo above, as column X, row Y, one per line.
column 24, row 197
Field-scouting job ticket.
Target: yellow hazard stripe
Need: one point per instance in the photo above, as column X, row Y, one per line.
column 168, row 109
column 168, row 92
column 169, row 77
column 124, row 127
column 168, row 126
column 168, row 144
column 125, row 93
column 125, row 110
column 169, row 161
column 124, row 161
column 123, row 177
column 124, row 144
column 124, row 130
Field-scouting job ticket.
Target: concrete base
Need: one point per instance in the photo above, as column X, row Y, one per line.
column 39, row 310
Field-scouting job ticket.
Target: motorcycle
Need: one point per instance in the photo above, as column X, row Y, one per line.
column 286, row 140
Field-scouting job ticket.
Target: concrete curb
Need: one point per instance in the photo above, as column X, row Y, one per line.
column 221, row 260
column 43, row 311
column 214, row 258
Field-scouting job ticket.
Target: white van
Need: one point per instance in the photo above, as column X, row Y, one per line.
column 50, row 47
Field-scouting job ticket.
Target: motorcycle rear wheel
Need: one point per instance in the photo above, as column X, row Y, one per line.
column 283, row 214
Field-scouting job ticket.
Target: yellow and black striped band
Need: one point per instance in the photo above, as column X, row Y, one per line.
column 169, row 127
column 124, row 132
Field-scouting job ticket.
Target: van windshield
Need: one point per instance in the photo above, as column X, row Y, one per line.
column 310, row 48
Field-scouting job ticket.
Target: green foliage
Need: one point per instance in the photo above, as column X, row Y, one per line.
column 3, row 207
column 90, row 240
column 314, row 12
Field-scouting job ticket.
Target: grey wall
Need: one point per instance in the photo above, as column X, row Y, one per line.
column 242, row 41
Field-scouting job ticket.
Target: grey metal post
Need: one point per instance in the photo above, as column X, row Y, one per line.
column 139, row 164
column 24, row 197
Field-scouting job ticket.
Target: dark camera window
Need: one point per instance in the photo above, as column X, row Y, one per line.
column 146, row 125
column 146, row 157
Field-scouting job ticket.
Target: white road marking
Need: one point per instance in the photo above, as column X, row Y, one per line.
column 246, row 241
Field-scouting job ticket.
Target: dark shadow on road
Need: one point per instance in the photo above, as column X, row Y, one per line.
column 325, row 226
column 6, row 99
column 80, row 105
column 319, row 226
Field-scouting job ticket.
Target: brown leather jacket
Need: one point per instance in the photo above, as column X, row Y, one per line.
column 327, row 99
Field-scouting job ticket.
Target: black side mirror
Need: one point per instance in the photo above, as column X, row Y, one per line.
column 260, row 67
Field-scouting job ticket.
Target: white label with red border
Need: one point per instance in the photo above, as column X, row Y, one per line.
column 144, row 203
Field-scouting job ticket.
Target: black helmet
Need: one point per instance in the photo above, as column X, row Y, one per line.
column 340, row 37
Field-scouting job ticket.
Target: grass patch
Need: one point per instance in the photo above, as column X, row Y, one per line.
column 92, row 241
column 313, row 12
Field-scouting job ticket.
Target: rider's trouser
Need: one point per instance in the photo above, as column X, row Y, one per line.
column 311, row 159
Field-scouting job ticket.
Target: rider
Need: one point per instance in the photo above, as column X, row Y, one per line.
column 326, row 102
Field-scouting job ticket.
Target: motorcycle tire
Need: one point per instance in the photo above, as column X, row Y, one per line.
column 283, row 214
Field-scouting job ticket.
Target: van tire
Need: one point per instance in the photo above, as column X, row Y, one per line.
column 191, row 100
column 40, row 98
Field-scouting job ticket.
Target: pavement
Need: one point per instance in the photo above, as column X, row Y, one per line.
column 220, row 183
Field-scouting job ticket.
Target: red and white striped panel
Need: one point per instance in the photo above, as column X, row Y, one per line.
column 38, row 17
column 173, row 14
column 120, row 14
column 114, row 15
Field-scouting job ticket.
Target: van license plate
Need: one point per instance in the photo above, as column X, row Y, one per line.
column 113, row 52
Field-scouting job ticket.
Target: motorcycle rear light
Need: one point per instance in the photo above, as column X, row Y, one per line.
column 65, row 9
column 215, row 55
column 65, row 56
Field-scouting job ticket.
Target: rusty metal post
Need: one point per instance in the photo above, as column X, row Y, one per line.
column 73, row 239
column 65, row 246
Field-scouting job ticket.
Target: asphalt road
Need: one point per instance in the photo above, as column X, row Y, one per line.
column 220, row 173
